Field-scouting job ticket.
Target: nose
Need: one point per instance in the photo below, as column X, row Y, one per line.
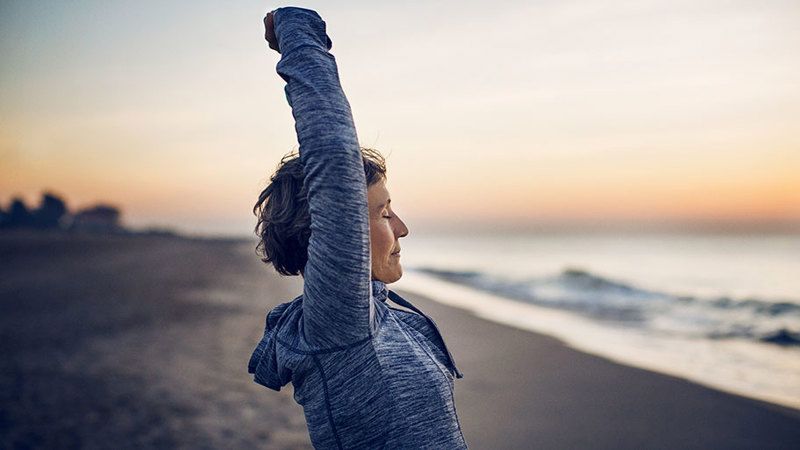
column 400, row 229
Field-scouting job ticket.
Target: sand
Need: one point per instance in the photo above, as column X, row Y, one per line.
column 143, row 341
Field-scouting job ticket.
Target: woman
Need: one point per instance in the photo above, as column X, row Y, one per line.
column 367, row 375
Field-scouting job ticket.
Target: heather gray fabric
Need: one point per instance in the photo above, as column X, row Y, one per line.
column 367, row 375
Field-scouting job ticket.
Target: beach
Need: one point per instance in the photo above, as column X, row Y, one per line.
column 139, row 341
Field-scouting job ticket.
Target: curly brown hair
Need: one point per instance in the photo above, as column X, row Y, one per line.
column 284, row 223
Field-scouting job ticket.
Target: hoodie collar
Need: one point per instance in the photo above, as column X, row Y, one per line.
column 379, row 290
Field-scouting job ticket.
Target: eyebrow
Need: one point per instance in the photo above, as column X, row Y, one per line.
column 383, row 205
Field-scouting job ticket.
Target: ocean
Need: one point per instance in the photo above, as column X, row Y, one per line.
column 722, row 310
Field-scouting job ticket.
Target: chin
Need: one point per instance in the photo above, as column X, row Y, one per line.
column 396, row 278
column 392, row 276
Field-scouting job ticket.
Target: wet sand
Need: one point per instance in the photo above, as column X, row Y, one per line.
column 143, row 342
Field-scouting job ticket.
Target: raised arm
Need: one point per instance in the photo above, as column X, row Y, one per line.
column 337, row 288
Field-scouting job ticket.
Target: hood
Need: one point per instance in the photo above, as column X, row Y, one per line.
column 264, row 360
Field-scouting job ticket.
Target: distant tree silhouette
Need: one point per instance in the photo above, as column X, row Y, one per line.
column 50, row 212
column 19, row 215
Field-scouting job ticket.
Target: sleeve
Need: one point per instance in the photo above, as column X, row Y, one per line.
column 336, row 290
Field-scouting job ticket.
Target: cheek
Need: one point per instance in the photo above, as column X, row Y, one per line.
column 381, row 238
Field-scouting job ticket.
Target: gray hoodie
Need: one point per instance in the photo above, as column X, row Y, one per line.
column 367, row 375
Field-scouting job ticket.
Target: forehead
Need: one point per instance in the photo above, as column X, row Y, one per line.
column 377, row 195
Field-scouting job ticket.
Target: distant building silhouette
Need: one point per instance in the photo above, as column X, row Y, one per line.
column 97, row 219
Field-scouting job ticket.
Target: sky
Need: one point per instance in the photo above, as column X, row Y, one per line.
column 514, row 114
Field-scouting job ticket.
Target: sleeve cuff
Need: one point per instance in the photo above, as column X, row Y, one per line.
column 299, row 27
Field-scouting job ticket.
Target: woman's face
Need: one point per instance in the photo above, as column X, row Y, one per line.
column 385, row 229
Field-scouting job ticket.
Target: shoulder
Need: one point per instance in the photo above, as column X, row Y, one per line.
column 410, row 318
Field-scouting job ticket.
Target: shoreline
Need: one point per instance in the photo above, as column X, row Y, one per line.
column 695, row 360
